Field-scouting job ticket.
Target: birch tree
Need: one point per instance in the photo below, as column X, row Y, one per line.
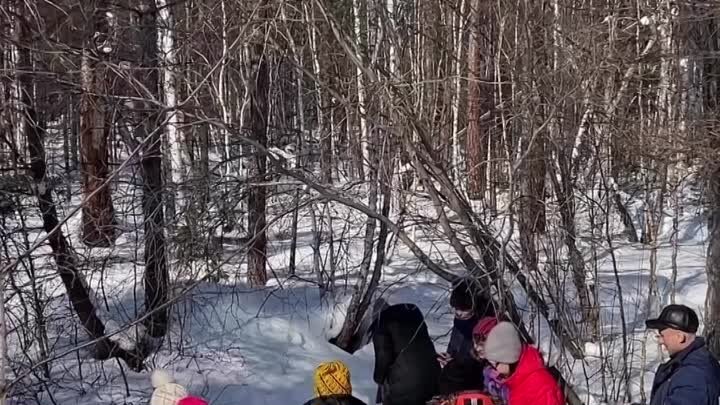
column 179, row 159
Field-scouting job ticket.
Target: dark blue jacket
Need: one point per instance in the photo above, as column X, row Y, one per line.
column 460, row 346
column 689, row 377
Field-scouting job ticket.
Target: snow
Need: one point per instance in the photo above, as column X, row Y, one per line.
column 262, row 346
column 231, row 343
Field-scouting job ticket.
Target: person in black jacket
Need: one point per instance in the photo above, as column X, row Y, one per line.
column 406, row 369
column 469, row 305
column 460, row 369
column 332, row 385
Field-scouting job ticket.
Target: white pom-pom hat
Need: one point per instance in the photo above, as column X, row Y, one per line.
column 166, row 392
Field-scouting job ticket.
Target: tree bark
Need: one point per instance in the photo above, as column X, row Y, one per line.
column 156, row 276
column 712, row 266
column 4, row 361
column 360, row 83
column 257, row 222
column 98, row 216
column 476, row 167
column 179, row 159
column 711, row 102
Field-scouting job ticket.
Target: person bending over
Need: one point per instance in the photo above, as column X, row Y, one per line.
column 406, row 369
column 521, row 368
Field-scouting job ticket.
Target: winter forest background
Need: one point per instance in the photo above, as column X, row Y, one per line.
column 223, row 187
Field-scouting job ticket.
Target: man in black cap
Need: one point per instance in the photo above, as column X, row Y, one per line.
column 692, row 375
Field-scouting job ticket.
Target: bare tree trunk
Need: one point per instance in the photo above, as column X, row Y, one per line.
column 475, row 140
column 360, row 83
column 98, row 216
column 156, row 277
column 564, row 189
column 365, row 290
column 4, row 361
column 712, row 266
column 711, row 102
column 300, row 127
column 65, row 258
column 317, row 226
column 458, row 43
column 674, row 242
column 257, row 223
column 531, row 207
column 179, row 159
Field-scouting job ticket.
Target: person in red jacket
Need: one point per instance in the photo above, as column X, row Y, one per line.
column 526, row 378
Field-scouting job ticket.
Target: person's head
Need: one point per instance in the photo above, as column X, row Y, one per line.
column 503, row 348
column 466, row 299
column 676, row 327
column 332, row 378
column 480, row 334
column 167, row 392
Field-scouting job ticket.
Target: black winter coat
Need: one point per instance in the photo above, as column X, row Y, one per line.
column 406, row 365
column 460, row 346
column 690, row 377
column 335, row 400
column 462, row 375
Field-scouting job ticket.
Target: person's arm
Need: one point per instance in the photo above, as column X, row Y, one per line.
column 454, row 343
column 384, row 357
column 689, row 386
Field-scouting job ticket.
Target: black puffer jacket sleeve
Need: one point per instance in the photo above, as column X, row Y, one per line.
column 406, row 360
column 384, row 353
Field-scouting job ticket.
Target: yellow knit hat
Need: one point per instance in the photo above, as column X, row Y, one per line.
column 332, row 378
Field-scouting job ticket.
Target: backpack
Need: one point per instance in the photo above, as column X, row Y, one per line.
column 472, row 398
column 465, row 398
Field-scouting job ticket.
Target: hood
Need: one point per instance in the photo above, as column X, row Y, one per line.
column 530, row 362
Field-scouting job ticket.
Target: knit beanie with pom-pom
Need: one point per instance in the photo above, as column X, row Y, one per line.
column 166, row 392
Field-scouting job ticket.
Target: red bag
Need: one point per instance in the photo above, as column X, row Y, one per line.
column 472, row 398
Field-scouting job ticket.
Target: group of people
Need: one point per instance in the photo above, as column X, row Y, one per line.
column 486, row 354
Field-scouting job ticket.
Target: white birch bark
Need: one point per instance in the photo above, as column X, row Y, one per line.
column 15, row 89
column 317, row 228
column 222, row 88
column 459, row 29
column 394, row 66
column 364, row 141
column 179, row 159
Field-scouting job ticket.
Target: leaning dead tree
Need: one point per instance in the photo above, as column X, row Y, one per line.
column 65, row 258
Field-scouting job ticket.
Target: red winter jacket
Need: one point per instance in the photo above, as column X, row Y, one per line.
column 531, row 383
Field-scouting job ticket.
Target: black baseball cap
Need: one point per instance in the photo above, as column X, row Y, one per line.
column 677, row 317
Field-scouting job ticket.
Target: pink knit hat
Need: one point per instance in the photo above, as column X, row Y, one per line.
column 192, row 401
column 484, row 326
